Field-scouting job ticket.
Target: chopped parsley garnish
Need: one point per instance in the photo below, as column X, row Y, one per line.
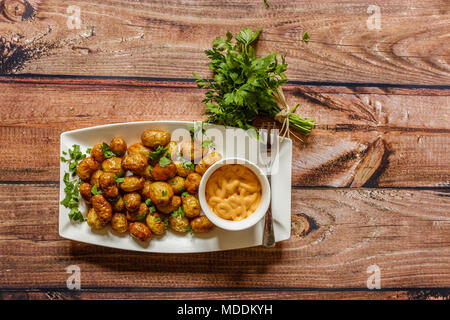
column 150, row 205
column 188, row 165
column 75, row 156
column 157, row 219
column 305, row 37
column 119, row 177
column 163, row 161
column 166, row 221
column 185, row 194
column 181, row 189
column 188, row 228
column 178, row 213
column 164, row 193
column 107, row 153
column 148, row 202
column 141, row 216
column 158, row 153
column 266, row 3
column 72, row 187
column 94, row 190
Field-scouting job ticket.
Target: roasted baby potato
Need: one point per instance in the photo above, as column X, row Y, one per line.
column 192, row 182
column 113, row 165
column 177, row 184
column 192, row 150
column 132, row 201
column 179, row 223
column 85, row 191
column 118, row 205
column 191, row 206
column 95, row 178
column 163, row 173
column 139, row 214
column 86, row 168
column 161, row 193
column 183, row 170
column 102, row 207
column 135, row 162
column 172, row 150
column 94, row 221
column 118, row 146
column 172, row 206
column 201, row 224
column 155, row 138
column 206, row 162
column 119, row 222
column 97, row 153
column 155, row 221
column 132, row 183
column 145, row 191
column 108, row 185
column 140, row 231
column 140, row 149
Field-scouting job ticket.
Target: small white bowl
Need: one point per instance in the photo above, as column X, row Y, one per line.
column 252, row 219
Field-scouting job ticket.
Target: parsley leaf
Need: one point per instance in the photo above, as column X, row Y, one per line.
column 166, row 221
column 178, row 212
column 141, row 216
column 119, row 177
column 305, row 37
column 163, row 161
column 164, row 193
column 158, row 153
column 185, row 194
column 188, row 228
column 94, row 190
column 107, row 153
column 266, row 3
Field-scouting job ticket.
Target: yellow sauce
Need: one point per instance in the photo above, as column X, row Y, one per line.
column 233, row 192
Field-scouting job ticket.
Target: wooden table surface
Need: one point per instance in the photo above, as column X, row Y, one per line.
column 372, row 180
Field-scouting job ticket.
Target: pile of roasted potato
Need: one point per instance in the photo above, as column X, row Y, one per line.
column 160, row 193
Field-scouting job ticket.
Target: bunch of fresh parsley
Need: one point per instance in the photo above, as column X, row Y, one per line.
column 244, row 86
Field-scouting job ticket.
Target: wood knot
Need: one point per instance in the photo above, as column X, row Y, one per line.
column 17, row 10
column 300, row 225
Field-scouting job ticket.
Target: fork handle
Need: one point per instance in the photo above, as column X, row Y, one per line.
column 269, row 236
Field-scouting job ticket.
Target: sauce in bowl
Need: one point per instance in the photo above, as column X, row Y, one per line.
column 233, row 192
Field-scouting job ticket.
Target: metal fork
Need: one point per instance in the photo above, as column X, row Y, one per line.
column 268, row 236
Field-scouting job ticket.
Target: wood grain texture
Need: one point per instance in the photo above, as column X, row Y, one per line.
column 384, row 139
column 166, row 38
column 405, row 232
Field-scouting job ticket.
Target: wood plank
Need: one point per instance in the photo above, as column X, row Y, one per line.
column 380, row 138
column 404, row 232
column 151, row 38
column 89, row 294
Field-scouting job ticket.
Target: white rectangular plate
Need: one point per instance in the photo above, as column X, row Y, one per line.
column 173, row 242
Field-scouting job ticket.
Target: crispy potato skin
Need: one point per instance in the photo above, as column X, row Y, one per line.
column 177, row 184
column 139, row 148
column 156, row 223
column 102, row 207
column 163, row 173
column 132, row 201
column 172, row 206
column 132, row 183
column 181, row 170
column 108, row 185
column 86, row 168
column 201, row 224
column 192, row 182
column 113, row 165
column 119, row 222
column 135, row 163
column 145, row 191
column 179, row 223
column 118, row 146
column 191, row 206
column 119, row 205
column 140, row 231
column 97, row 153
column 161, row 193
column 154, row 138
column 94, row 221
column 140, row 213
column 207, row 162
column 95, row 178
column 85, row 191
column 192, row 150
